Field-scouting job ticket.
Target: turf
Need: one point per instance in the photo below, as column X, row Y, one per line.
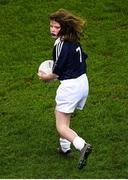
column 28, row 138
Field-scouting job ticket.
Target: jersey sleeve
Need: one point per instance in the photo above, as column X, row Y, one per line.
column 60, row 61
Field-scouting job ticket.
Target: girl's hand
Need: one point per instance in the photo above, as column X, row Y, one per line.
column 47, row 77
column 42, row 75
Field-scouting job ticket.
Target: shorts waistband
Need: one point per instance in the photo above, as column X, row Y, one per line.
column 75, row 79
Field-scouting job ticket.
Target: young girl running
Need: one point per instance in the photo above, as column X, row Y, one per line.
column 70, row 68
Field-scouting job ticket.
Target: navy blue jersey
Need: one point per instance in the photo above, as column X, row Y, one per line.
column 69, row 60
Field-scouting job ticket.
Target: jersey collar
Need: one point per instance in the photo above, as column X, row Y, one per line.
column 57, row 41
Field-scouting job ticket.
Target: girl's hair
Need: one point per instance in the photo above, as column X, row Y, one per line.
column 71, row 25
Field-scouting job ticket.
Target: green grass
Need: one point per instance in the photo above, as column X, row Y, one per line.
column 28, row 138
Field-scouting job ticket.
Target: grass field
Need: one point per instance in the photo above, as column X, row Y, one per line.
column 28, row 138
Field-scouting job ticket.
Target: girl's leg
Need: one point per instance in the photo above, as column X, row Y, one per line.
column 63, row 128
column 62, row 125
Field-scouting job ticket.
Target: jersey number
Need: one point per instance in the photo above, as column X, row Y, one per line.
column 79, row 50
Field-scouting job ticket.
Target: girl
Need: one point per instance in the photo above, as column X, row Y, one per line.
column 70, row 68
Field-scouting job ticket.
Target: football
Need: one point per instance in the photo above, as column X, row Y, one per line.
column 46, row 66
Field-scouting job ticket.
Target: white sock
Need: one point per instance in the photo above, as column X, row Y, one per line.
column 79, row 143
column 65, row 144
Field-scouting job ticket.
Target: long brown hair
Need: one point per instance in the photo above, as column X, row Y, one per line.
column 71, row 25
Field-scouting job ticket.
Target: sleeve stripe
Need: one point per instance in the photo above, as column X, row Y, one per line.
column 58, row 49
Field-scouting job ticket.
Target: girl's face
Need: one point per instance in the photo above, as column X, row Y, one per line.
column 54, row 29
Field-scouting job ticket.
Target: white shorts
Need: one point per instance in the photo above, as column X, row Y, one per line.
column 72, row 94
